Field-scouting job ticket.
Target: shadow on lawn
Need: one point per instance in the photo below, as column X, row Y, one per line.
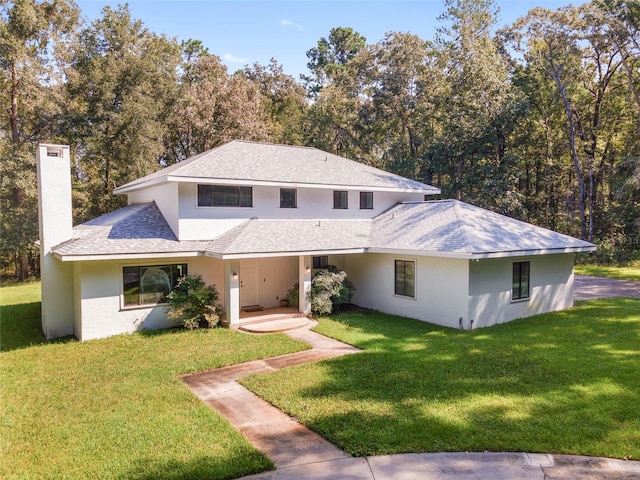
column 20, row 327
column 251, row 461
column 563, row 383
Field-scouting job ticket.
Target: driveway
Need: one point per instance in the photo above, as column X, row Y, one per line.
column 588, row 288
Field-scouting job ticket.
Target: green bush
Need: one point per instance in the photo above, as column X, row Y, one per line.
column 293, row 295
column 329, row 289
column 194, row 303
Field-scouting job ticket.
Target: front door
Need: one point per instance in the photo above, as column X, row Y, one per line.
column 249, row 282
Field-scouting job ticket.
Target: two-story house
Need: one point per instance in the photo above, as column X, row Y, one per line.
column 254, row 219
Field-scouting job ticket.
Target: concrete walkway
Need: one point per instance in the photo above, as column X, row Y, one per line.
column 589, row 288
column 299, row 453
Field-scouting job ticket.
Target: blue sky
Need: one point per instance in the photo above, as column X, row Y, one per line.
column 243, row 32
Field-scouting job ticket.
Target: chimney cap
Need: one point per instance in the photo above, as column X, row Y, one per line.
column 51, row 150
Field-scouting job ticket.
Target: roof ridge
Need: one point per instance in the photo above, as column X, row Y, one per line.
column 441, row 200
column 314, row 219
column 232, row 234
column 463, row 234
column 268, row 144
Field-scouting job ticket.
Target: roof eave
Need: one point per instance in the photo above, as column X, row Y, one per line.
column 420, row 253
column 525, row 253
column 427, row 190
column 132, row 187
column 291, row 253
column 125, row 256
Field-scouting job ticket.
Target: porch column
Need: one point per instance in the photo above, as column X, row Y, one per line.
column 232, row 292
column 304, row 282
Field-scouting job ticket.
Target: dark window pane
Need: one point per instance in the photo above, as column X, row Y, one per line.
column 410, row 279
column 366, row 200
column 399, row 282
column 520, row 282
column 204, row 196
column 340, row 199
column 320, row 262
column 288, row 198
column 131, row 285
column 224, row 196
column 246, row 197
column 405, row 278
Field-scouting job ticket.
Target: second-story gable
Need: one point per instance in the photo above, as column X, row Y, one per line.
column 211, row 193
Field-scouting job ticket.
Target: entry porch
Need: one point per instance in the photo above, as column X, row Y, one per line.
column 255, row 287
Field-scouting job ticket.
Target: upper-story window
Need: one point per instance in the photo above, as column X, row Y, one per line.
column 224, row 196
column 288, row 198
column 340, row 199
column 366, row 200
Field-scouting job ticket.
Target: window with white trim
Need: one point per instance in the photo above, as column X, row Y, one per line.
column 340, row 199
column 405, row 278
column 288, row 198
column 224, row 196
column 366, row 200
column 150, row 284
column 521, row 280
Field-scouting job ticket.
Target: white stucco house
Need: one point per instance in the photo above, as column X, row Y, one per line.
column 256, row 218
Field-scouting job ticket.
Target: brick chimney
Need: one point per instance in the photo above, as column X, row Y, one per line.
column 56, row 226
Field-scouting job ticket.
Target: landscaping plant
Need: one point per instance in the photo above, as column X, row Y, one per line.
column 329, row 289
column 194, row 303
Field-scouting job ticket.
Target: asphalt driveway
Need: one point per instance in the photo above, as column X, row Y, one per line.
column 588, row 288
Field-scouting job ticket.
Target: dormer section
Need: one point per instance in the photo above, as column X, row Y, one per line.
column 211, row 193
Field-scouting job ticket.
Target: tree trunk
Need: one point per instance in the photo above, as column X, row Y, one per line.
column 574, row 157
column 13, row 117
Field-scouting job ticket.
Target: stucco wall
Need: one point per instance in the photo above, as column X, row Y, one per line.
column 441, row 287
column 490, row 302
column 202, row 223
column 55, row 226
column 99, row 285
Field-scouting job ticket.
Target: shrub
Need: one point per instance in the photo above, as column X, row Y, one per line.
column 329, row 289
column 293, row 295
column 193, row 302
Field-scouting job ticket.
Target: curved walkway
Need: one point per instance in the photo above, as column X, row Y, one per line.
column 299, row 453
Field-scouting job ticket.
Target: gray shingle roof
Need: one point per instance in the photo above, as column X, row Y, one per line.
column 134, row 229
column 292, row 235
column 451, row 226
column 444, row 227
column 281, row 164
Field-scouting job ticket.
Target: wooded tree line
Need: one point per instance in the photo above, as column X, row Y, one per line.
column 539, row 120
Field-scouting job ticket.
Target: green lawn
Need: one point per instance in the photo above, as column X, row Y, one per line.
column 631, row 272
column 116, row 408
column 567, row 382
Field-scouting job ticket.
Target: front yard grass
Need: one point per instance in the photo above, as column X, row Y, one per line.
column 629, row 272
column 116, row 408
column 566, row 382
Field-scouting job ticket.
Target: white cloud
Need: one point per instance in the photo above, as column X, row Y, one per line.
column 288, row 23
column 233, row 59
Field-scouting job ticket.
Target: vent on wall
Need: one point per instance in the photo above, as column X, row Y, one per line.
column 54, row 152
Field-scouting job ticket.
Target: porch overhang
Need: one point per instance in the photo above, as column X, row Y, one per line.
column 292, row 253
